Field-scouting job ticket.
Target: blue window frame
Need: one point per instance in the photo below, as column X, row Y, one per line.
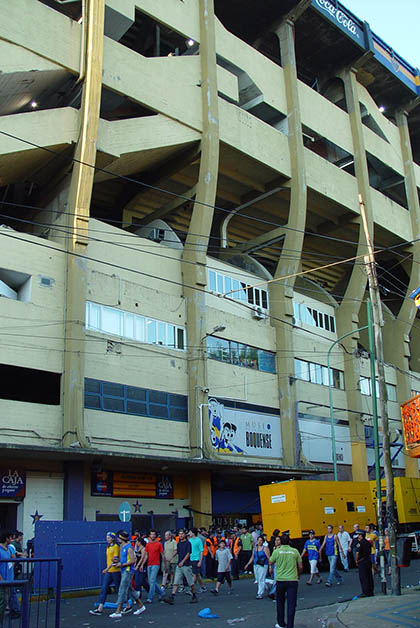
column 113, row 397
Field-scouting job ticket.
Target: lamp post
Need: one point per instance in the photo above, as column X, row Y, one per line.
column 330, row 390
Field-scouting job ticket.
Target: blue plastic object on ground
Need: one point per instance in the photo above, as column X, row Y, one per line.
column 207, row 614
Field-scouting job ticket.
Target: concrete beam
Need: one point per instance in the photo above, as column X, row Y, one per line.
column 260, row 242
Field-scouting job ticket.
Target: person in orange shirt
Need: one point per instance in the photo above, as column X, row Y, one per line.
column 372, row 538
column 387, row 549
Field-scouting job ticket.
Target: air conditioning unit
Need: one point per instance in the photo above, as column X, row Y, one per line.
column 258, row 313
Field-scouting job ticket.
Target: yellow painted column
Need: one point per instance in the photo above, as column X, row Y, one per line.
column 201, row 501
column 79, row 198
column 347, row 314
column 281, row 294
column 194, row 258
column 397, row 333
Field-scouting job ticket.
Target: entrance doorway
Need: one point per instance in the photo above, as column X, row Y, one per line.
column 8, row 516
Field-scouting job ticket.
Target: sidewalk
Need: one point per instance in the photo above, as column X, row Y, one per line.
column 375, row 612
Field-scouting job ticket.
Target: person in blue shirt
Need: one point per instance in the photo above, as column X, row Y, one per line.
column 4, row 571
column 332, row 546
column 312, row 547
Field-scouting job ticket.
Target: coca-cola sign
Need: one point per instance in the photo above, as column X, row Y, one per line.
column 335, row 12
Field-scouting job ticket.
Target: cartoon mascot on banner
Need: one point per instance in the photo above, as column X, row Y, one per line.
column 222, row 435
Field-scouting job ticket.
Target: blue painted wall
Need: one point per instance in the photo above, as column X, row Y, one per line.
column 73, row 491
column 81, row 546
column 236, row 501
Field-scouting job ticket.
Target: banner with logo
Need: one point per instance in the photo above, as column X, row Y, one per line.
column 344, row 20
column 12, row 482
column 244, row 432
column 129, row 484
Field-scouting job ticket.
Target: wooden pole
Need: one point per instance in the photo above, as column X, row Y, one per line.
column 389, row 478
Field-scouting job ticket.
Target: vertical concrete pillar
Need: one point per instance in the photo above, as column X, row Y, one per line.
column 194, row 266
column 281, row 294
column 201, row 501
column 397, row 333
column 79, row 198
column 73, row 491
column 347, row 314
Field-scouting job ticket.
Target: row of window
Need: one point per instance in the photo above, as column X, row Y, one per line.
column 318, row 374
column 112, row 397
column 240, row 354
column 241, row 291
column 310, row 316
column 366, row 388
column 111, row 320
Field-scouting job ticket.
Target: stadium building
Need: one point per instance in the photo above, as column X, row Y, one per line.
column 181, row 245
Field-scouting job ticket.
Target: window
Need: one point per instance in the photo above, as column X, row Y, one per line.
column 111, row 320
column 239, row 354
column 15, row 285
column 318, row 374
column 241, row 291
column 366, row 389
column 315, row 318
column 31, row 385
column 112, row 397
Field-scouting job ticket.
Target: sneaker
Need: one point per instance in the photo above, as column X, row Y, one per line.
column 271, row 596
column 139, row 611
column 126, row 610
column 169, row 600
column 149, row 601
column 194, row 599
column 340, row 582
column 278, row 626
column 116, row 615
column 203, row 589
column 229, row 592
column 259, row 597
column 214, row 592
column 188, row 592
column 95, row 612
column 181, row 588
column 328, row 584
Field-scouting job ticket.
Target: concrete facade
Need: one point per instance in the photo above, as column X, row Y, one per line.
column 182, row 240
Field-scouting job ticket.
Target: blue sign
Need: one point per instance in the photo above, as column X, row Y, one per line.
column 343, row 19
column 12, row 482
column 164, row 487
column 124, row 512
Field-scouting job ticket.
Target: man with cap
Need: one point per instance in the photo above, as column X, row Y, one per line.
column 312, row 546
column 364, row 565
column 126, row 564
column 111, row 573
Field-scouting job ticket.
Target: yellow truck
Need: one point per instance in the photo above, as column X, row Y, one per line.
column 298, row 506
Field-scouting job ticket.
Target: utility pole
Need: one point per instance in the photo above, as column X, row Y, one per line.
column 389, row 478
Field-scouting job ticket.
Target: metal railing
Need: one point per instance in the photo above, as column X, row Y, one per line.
column 38, row 581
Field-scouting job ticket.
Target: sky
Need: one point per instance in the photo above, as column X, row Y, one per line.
column 396, row 22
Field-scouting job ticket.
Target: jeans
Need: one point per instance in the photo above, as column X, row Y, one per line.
column 115, row 579
column 4, row 592
column 126, row 591
column 152, row 574
column 345, row 560
column 260, row 572
column 333, row 570
column 13, row 601
column 286, row 590
column 273, row 588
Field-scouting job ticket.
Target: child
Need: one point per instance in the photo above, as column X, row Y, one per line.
column 223, row 557
column 312, row 547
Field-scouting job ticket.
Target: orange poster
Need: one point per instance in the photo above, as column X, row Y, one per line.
column 410, row 415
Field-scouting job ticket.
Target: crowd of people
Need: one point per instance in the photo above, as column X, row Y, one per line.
column 134, row 563
column 185, row 558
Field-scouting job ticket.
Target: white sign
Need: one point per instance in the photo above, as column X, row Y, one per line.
column 361, row 509
column 243, row 432
column 329, row 510
column 276, row 499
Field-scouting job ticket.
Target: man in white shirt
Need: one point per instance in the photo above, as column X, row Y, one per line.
column 344, row 538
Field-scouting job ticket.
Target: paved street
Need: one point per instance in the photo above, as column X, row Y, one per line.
column 241, row 605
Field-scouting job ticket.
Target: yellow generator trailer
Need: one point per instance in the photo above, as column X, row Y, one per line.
column 298, row 506
column 407, row 501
